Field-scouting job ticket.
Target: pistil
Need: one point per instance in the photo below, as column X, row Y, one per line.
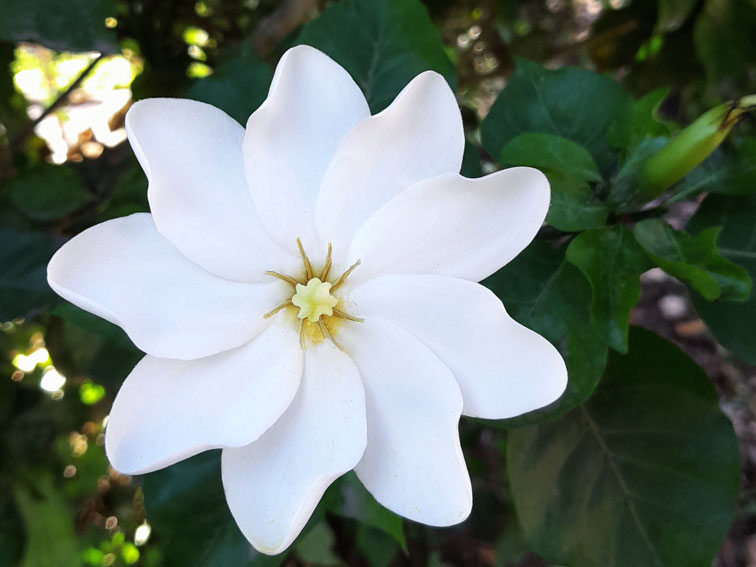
column 313, row 296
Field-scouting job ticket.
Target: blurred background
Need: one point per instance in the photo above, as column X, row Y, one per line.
column 68, row 73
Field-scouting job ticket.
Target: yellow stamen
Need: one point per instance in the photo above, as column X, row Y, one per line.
column 272, row 312
column 305, row 260
column 287, row 279
column 344, row 276
column 344, row 315
column 327, row 267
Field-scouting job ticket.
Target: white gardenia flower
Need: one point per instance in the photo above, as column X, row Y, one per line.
column 305, row 291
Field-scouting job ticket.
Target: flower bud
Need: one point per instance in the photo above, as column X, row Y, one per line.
column 652, row 175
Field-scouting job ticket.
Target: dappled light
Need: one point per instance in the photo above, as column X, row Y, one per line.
column 419, row 283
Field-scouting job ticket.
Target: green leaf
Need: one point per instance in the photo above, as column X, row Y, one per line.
column 573, row 206
column 612, row 261
column 550, row 153
column 639, row 122
column 63, row 25
column 49, row 524
column 572, row 103
column 730, row 172
column 47, row 192
column 12, row 533
column 628, row 189
column 673, row 13
column 187, row 508
column 237, row 86
column 354, row 501
column 549, row 295
column 645, row 473
column 693, row 259
column 383, row 45
column 731, row 323
column 723, row 37
column 23, row 279
column 316, row 546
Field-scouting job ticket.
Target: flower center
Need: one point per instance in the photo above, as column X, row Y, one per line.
column 318, row 312
column 314, row 300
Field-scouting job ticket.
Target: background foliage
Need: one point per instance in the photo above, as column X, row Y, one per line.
column 636, row 465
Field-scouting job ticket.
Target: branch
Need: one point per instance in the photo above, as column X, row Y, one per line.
column 287, row 17
column 25, row 132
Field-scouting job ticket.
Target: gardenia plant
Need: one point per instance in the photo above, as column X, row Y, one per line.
column 305, row 291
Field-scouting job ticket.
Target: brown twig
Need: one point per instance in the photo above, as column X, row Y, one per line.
column 25, row 132
column 289, row 15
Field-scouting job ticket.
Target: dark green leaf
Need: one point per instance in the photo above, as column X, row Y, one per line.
column 383, row 45
column 549, row 295
column 693, row 259
column 23, row 278
column 64, row 25
column 550, row 153
column 354, row 501
column 724, row 38
column 673, row 13
column 645, row 473
column 316, row 546
column 612, row 261
column 49, row 524
column 572, row 103
column 378, row 547
column 731, row 323
column 573, row 205
column 187, row 508
column 47, row 192
column 629, row 189
column 237, row 86
column 726, row 172
column 639, row 122
column 12, row 533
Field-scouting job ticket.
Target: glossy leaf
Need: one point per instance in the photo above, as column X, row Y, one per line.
column 612, row 262
column 731, row 323
column 174, row 496
column 724, row 37
column 645, row 473
column 572, row 103
column 544, row 292
column 550, row 153
column 23, row 279
column 354, row 501
column 383, row 45
column 693, row 259
column 573, row 205
column 728, row 172
column 237, row 86
column 74, row 25
column 47, row 192
column 639, row 122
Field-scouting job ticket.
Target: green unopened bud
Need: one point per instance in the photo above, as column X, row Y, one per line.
column 654, row 170
column 694, row 144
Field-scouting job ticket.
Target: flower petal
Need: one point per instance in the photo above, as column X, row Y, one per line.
column 291, row 138
column 124, row 271
column 419, row 136
column 273, row 485
column 413, row 463
column 168, row 410
column 453, row 226
column 503, row 369
column 192, row 155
